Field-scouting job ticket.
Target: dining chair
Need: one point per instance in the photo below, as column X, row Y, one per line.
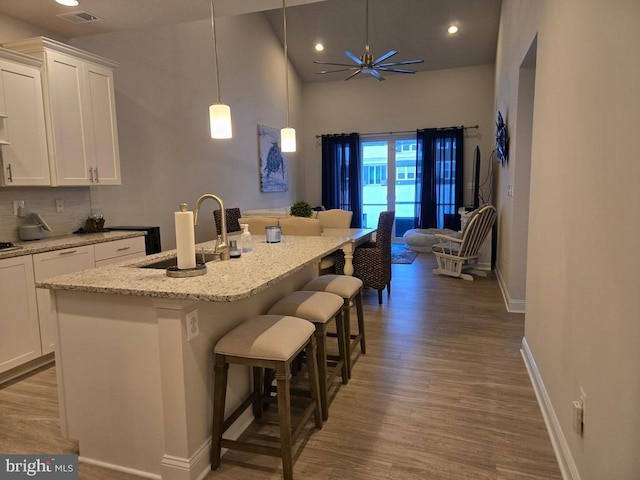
column 372, row 260
column 335, row 218
column 258, row 224
column 232, row 217
column 300, row 226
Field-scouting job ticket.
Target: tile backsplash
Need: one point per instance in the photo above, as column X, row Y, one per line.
column 42, row 200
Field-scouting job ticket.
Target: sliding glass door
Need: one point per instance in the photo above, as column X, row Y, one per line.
column 389, row 179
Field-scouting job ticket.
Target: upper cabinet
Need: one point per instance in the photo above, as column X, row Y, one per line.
column 23, row 139
column 79, row 105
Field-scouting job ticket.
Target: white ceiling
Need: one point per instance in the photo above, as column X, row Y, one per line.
column 415, row 28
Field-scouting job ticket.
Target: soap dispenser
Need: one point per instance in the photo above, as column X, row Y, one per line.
column 245, row 238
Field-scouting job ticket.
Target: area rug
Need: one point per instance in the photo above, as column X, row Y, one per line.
column 400, row 254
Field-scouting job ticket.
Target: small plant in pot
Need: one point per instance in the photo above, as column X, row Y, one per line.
column 301, row 209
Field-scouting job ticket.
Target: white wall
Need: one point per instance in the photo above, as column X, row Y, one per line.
column 581, row 322
column 164, row 86
column 443, row 98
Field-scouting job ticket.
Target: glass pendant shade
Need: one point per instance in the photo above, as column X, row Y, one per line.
column 220, row 120
column 288, row 139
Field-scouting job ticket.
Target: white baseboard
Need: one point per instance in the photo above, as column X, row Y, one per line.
column 567, row 465
column 513, row 305
column 119, row 468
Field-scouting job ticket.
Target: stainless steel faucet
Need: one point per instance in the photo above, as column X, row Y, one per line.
column 222, row 247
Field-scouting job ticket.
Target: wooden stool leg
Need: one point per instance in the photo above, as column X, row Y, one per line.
column 221, row 369
column 360, row 313
column 257, row 392
column 347, row 332
column 310, row 352
column 284, row 416
column 342, row 347
column 321, row 341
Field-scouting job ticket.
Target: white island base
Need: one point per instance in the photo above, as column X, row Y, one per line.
column 133, row 391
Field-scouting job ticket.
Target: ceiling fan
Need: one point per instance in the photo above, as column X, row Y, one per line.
column 366, row 63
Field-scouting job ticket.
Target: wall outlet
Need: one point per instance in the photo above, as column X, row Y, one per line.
column 193, row 327
column 59, row 206
column 18, row 207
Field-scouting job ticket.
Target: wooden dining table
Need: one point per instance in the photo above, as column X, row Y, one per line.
column 357, row 236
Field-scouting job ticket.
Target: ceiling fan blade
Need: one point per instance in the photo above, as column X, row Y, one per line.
column 404, row 62
column 337, row 64
column 338, row 70
column 353, row 57
column 389, row 54
column 353, row 74
column 396, row 70
column 374, row 73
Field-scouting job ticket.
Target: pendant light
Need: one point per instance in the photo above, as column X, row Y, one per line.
column 219, row 113
column 287, row 134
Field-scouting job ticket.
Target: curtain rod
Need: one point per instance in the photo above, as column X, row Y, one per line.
column 409, row 131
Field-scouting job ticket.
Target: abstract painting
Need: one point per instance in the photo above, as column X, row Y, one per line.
column 273, row 165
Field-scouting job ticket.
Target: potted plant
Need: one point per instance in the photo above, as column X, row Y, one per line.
column 301, row 209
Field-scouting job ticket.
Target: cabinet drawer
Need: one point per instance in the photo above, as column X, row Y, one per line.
column 119, row 248
column 60, row 262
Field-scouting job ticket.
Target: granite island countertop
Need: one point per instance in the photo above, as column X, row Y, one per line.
column 225, row 281
column 60, row 242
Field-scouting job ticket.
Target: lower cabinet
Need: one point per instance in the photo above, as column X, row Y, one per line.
column 20, row 337
column 26, row 317
column 51, row 264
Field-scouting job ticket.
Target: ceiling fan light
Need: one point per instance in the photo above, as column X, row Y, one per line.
column 220, row 120
column 453, row 29
column 288, row 139
column 68, row 3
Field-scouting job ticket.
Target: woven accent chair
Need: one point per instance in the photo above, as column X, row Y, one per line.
column 233, row 215
column 372, row 261
column 455, row 256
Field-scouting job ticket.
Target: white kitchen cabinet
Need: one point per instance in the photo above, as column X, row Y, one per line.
column 23, row 138
column 20, row 337
column 79, row 104
column 51, row 264
column 119, row 250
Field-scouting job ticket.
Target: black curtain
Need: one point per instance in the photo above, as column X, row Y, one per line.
column 341, row 174
column 439, row 179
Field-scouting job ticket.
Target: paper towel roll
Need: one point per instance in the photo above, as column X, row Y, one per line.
column 185, row 238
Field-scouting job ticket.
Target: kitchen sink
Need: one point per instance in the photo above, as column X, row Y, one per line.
column 173, row 261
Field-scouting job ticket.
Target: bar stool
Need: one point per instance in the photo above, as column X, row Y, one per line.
column 320, row 308
column 265, row 341
column 350, row 289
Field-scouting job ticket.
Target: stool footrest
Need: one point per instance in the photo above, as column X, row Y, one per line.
column 251, row 447
column 236, row 413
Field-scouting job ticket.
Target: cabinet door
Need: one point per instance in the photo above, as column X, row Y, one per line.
column 50, row 264
column 25, row 159
column 20, row 337
column 68, row 132
column 102, row 136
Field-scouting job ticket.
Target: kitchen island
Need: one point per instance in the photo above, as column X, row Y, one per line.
column 134, row 351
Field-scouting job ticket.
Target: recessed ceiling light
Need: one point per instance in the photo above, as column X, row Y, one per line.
column 68, row 3
column 453, row 29
column 319, row 47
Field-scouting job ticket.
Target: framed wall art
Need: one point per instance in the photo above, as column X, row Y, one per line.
column 273, row 164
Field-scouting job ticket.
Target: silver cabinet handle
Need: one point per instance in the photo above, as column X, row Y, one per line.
column 122, row 249
column 9, row 174
column 68, row 252
column 91, row 175
column 96, row 175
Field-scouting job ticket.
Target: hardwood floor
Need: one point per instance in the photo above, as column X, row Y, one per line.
column 442, row 394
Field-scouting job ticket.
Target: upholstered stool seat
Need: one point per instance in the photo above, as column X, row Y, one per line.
column 320, row 308
column 266, row 341
column 350, row 289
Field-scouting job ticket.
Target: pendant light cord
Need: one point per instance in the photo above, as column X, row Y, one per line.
column 215, row 50
column 286, row 70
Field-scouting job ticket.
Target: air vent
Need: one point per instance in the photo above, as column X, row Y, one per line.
column 79, row 17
